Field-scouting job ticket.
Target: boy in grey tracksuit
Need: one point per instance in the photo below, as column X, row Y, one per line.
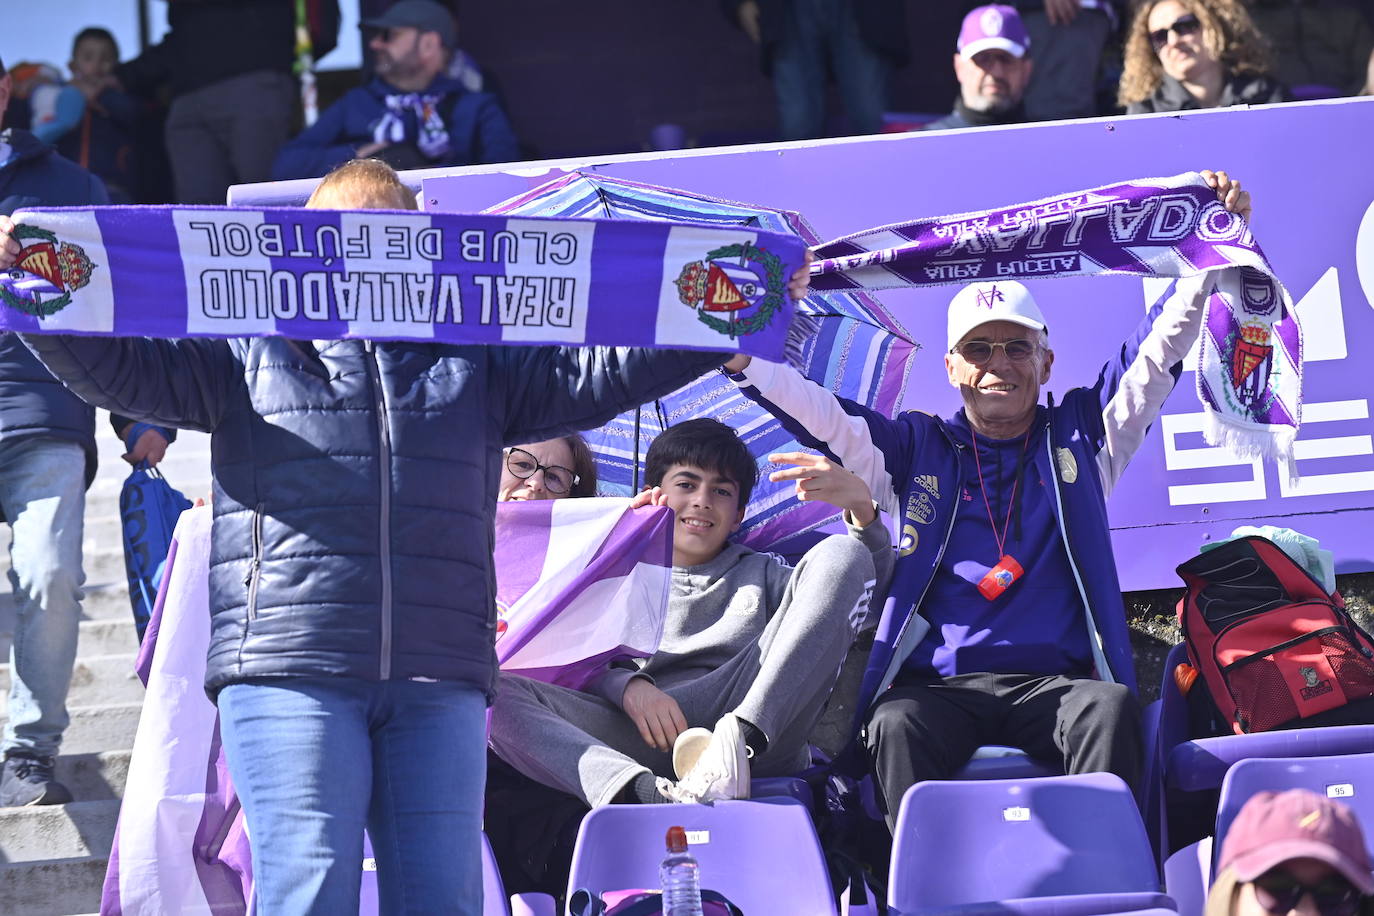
column 751, row 647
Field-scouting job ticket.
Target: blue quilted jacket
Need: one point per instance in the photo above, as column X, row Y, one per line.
column 355, row 483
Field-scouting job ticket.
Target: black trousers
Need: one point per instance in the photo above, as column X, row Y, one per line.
column 927, row 728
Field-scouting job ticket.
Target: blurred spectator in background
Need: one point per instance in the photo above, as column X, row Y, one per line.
column 1321, row 50
column 412, row 114
column 1187, row 54
column 227, row 64
column 102, row 140
column 1068, row 37
column 802, row 41
column 44, row 105
column 993, row 66
column 1292, row 852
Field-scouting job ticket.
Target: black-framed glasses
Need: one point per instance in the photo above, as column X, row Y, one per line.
column 557, row 479
column 979, row 352
column 1186, row 24
column 1278, row 891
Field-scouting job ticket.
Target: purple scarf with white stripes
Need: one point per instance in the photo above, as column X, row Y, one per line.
column 1249, row 374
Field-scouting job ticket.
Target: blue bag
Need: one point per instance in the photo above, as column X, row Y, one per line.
column 148, row 511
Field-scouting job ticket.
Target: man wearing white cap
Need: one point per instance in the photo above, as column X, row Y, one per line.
column 1004, row 624
column 993, row 66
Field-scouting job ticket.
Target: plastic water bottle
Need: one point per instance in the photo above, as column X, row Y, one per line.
column 679, row 876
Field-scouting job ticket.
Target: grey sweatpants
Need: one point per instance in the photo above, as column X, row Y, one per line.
column 588, row 747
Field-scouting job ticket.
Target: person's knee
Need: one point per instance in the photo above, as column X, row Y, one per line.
column 1098, row 705
column 48, row 582
column 843, row 555
column 891, row 722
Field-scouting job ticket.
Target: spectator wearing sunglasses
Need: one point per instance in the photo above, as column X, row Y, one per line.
column 552, row 469
column 1189, row 54
column 1004, row 624
column 1293, row 852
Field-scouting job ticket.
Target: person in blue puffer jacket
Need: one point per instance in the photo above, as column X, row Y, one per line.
column 351, row 582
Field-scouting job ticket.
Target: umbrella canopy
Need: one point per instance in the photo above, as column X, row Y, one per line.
column 852, row 345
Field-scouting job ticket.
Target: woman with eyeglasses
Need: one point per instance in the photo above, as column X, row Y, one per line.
column 1190, row 54
column 551, row 469
column 1293, row 852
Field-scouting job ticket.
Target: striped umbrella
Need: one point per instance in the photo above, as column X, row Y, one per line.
column 852, row 345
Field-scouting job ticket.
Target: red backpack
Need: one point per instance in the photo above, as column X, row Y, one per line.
column 1270, row 644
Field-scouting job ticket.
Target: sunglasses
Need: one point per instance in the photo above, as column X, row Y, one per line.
column 1279, row 892
column 557, row 479
column 1183, row 26
column 979, row 352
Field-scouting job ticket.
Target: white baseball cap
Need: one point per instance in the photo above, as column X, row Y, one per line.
column 992, row 300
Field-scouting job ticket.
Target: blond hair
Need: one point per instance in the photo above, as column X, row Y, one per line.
column 362, row 184
column 1227, row 31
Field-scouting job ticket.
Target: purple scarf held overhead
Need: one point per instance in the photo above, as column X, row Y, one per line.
column 398, row 275
column 1249, row 374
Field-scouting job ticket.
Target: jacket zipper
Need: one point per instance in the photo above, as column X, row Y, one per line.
column 255, row 572
column 1094, row 635
column 384, row 525
column 891, row 673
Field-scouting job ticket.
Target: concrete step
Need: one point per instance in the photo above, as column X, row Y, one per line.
column 96, row 637
column 52, row 887
column 74, row 830
column 102, row 602
column 99, row 728
column 98, row 680
column 94, row 777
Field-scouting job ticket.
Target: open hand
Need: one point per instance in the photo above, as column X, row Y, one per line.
column 1229, row 192
column 649, row 496
column 819, row 478
column 656, row 715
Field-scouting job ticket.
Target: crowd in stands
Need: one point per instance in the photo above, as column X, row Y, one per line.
column 215, row 102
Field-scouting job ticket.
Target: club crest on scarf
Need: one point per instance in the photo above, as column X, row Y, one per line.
column 735, row 290
column 42, row 280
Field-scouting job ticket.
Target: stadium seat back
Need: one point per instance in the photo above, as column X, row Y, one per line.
column 762, row 855
column 963, row 842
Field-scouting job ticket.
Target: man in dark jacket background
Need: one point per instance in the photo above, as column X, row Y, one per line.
column 47, row 459
column 413, row 114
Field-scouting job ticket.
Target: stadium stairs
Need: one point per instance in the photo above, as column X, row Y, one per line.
column 53, row 858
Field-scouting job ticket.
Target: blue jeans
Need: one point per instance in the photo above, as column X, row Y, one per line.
column 818, row 32
column 315, row 760
column 43, row 495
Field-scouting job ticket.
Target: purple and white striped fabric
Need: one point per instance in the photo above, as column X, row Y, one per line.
column 398, row 275
column 580, row 582
column 1249, row 375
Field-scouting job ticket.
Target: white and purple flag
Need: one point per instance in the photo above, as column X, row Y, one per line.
column 398, row 275
column 580, row 582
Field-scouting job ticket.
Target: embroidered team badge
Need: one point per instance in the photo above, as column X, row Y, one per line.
column 1251, row 362
column 736, row 290
column 48, row 271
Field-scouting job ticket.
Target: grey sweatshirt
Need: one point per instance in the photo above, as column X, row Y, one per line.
column 716, row 609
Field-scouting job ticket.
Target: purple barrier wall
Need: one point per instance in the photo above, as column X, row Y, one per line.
column 1314, row 214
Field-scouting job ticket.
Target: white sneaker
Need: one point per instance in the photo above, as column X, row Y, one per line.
column 720, row 769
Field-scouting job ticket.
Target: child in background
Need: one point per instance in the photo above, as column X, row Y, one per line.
column 101, row 137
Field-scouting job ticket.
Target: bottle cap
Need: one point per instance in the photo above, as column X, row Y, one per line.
column 677, row 839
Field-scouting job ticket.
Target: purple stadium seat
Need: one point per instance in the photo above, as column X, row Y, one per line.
column 1058, row 844
column 781, row 787
column 763, row 855
column 1349, row 778
column 493, row 890
column 1186, row 876
column 1175, row 762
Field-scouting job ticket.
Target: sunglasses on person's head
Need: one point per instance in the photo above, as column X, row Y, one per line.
column 1184, row 25
column 979, row 352
column 1277, row 891
column 557, row 479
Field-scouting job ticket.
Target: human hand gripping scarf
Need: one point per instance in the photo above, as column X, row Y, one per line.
column 413, row 117
column 1249, row 371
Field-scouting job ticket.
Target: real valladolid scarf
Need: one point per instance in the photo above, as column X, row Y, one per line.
column 398, row 275
column 1249, row 377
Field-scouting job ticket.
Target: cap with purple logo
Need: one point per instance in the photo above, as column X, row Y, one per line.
column 993, row 26
column 1000, row 300
column 1275, row 827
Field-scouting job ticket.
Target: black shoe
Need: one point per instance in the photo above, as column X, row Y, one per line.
column 26, row 779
